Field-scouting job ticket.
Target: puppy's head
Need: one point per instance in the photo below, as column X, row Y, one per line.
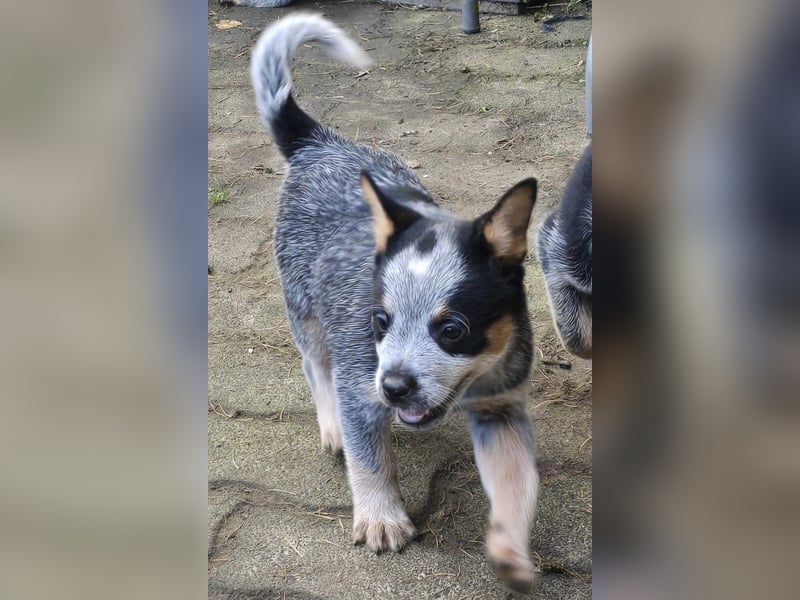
column 448, row 294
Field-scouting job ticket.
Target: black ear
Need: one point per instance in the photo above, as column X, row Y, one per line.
column 505, row 227
column 388, row 216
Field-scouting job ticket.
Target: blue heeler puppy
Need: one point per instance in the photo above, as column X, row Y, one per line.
column 564, row 247
column 400, row 310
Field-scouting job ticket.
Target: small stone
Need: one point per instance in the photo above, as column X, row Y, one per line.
column 414, row 164
column 249, row 350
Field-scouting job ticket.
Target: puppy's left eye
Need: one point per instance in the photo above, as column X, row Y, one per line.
column 451, row 332
column 380, row 323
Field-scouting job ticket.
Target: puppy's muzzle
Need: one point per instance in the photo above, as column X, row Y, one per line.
column 398, row 387
column 401, row 391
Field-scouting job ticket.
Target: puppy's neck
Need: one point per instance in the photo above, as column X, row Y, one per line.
column 511, row 370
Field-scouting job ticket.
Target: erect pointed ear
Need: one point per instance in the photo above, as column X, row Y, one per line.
column 388, row 216
column 505, row 227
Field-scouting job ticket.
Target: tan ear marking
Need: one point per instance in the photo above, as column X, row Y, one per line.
column 382, row 225
column 506, row 229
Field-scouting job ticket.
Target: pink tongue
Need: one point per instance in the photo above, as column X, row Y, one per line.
column 412, row 416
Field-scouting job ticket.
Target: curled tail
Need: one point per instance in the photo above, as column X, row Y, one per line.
column 272, row 80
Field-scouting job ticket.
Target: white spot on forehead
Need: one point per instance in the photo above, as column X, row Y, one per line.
column 419, row 265
column 419, row 285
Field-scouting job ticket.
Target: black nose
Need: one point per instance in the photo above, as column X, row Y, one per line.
column 397, row 386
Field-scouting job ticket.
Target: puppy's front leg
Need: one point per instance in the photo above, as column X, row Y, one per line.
column 505, row 455
column 379, row 518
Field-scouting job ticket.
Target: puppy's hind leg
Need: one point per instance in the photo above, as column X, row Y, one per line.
column 572, row 315
column 318, row 374
column 316, row 366
column 504, row 452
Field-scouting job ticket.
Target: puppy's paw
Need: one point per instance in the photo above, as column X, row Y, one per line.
column 330, row 433
column 518, row 578
column 511, row 565
column 391, row 532
column 331, row 439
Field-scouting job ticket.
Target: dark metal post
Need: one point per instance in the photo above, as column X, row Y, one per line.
column 469, row 16
column 589, row 88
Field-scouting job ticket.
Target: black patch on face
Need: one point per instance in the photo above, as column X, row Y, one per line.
column 487, row 292
column 408, row 237
column 427, row 242
column 448, row 333
column 377, row 292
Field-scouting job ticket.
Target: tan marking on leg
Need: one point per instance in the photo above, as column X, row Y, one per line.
column 583, row 320
column 509, row 475
column 379, row 518
column 324, row 394
column 330, row 431
column 585, row 326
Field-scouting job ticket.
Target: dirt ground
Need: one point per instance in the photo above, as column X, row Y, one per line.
column 477, row 113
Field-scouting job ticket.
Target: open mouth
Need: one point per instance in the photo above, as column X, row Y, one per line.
column 417, row 417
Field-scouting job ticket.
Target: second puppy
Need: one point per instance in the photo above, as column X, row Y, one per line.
column 564, row 247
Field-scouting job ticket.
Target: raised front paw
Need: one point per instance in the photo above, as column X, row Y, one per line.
column 512, row 565
column 387, row 532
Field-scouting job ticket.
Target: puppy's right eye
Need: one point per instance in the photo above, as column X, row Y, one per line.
column 451, row 332
column 380, row 323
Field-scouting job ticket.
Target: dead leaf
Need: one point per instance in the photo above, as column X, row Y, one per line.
column 228, row 24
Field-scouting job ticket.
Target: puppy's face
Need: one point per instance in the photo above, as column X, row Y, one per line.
column 446, row 294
